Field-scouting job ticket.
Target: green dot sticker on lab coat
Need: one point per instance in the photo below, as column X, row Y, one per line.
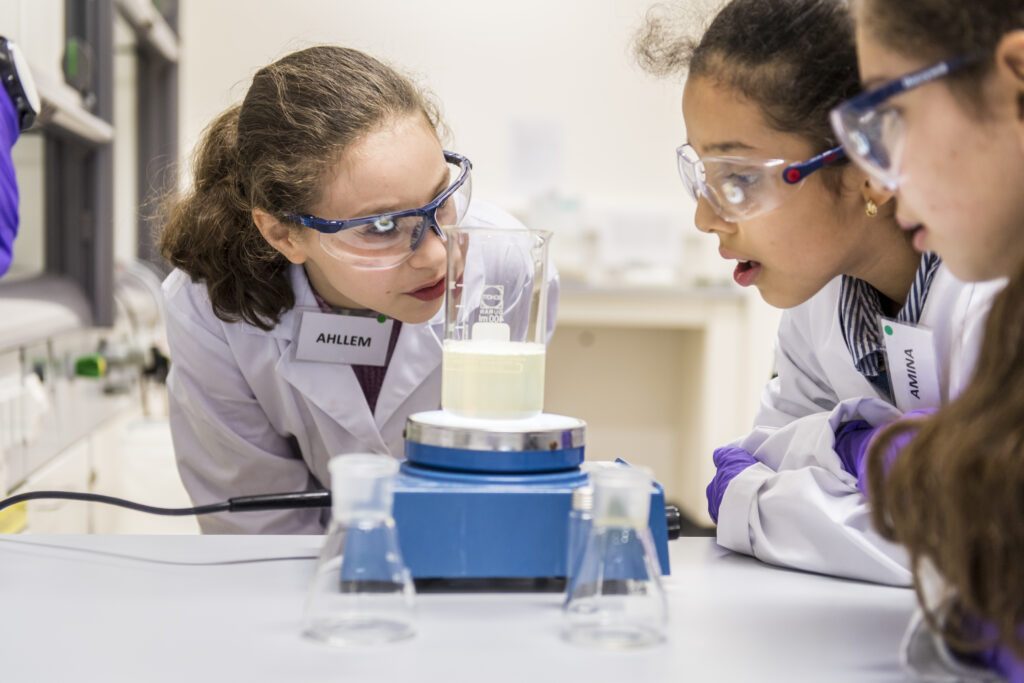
column 888, row 330
column 382, row 318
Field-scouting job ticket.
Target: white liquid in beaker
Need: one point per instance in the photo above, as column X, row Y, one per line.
column 493, row 379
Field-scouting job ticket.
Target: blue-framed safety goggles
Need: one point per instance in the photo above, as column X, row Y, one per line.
column 387, row 240
column 873, row 134
column 739, row 188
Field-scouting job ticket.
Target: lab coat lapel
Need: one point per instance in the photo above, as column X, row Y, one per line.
column 332, row 387
column 417, row 355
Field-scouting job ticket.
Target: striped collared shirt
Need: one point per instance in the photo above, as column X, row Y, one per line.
column 860, row 307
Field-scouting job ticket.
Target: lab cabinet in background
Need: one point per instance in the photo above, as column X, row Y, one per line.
column 662, row 376
column 12, row 443
column 69, row 471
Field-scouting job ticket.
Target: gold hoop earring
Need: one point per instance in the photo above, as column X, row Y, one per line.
column 870, row 208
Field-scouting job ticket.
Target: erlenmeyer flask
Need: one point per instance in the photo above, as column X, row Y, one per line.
column 580, row 522
column 362, row 592
column 615, row 600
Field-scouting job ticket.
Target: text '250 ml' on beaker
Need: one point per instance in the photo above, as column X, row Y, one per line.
column 495, row 322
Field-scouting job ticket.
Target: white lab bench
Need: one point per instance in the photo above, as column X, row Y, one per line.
column 161, row 608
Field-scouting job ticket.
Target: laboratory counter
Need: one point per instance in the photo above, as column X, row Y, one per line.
column 228, row 608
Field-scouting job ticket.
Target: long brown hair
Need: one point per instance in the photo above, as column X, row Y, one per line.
column 272, row 152
column 955, row 495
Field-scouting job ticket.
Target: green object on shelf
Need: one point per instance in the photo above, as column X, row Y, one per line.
column 93, row 365
column 71, row 63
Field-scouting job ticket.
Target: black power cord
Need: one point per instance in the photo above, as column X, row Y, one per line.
column 269, row 501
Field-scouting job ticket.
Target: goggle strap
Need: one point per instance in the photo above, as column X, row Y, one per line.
column 795, row 173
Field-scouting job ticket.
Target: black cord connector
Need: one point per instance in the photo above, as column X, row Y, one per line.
column 281, row 501
column 673, row 522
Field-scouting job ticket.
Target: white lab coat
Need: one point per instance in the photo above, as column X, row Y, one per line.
column 798, row 507
column 248, row 418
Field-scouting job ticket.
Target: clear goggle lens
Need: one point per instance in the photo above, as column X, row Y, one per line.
column 391, row 239
column 736, row 188
column 874, row 140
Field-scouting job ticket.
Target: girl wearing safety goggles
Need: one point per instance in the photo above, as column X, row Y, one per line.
column 816, row 238
column 304, row 314
column 941, row 122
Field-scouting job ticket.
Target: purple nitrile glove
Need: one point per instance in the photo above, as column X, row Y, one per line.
column 730, row 461
column 999, row 657
column 9, row 131
column 853, row 439
column 1002, row 660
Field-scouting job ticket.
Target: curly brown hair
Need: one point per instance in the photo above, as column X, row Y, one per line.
column 272, row 152
column 770, row 51
column 955, row 495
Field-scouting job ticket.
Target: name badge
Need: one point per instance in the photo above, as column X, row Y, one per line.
column 913, row 368
column 351, row 339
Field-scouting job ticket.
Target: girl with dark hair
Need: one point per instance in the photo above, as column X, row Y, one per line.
column 316, row 205
column 816, row 238
column 942, row 123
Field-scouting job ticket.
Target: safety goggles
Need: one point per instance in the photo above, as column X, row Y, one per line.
column 738, row 188
column 873, row 133
column 388, row 240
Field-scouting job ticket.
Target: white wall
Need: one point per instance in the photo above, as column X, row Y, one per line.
column 539, row 94
column 38, row 28
column 564, row 67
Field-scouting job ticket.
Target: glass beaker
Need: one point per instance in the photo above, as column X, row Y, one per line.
column 495, row 333
column 615, row 599
column 362, row 592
